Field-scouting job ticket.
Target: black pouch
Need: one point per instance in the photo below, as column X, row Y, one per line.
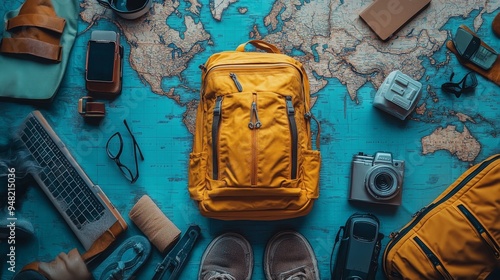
column 357, row 256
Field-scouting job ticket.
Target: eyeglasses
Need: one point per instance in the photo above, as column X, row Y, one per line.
column 467, row 84
column 114, row 153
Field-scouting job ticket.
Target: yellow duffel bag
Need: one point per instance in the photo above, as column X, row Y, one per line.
column 457, row 236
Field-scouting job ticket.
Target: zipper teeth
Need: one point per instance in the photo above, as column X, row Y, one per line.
column 432, row 257
column 293, row 130
column 433, row 205
column 480, row 229
column 468, row 215
column 253, row 178
column 249, row 65
column 215, row 136
column 256, row 65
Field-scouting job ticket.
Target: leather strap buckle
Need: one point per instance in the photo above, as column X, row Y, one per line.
column 90, row 109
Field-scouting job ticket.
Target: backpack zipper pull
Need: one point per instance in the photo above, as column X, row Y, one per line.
column 236, row 82
column 251, row 125
column 218, row 105
column 253, row 112
column 258, row 124
column 419, row 212
column 393, row 234
column 289, row 106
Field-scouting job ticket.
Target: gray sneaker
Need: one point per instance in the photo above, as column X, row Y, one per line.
column 289, row 256
column 228, row 257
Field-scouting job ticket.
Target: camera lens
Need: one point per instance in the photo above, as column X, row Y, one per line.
column 383, row 182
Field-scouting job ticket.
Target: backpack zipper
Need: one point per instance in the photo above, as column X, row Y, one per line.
column 254, row 65
column 236, row 82
column 480, row 230
column 438, row 265
column 254, row 113
column 215, row 136
column 424, row 211
column 293, row 130
column 257, row 124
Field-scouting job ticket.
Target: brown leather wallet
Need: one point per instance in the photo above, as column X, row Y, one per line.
column 90, row 109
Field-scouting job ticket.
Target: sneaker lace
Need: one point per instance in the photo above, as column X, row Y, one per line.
column 299, row 273
column 297, row 276
column 216, row 275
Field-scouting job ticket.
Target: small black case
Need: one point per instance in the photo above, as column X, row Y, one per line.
column 357, row 256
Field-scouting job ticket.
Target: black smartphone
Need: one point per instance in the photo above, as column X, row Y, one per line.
column 470, row 48
column 101, row 61
column 104, row 64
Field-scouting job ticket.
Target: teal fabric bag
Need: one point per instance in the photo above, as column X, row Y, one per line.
column 35, row 81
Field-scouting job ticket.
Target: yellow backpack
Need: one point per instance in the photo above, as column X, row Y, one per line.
column 457, row 236
column 252, row 155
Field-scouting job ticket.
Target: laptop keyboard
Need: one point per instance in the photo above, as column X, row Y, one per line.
column 59, row 177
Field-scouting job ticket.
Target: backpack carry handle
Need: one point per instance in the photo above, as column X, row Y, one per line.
column 259, row 44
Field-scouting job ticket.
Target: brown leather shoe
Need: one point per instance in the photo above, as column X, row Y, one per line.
column 289, row 256
column 228, row 257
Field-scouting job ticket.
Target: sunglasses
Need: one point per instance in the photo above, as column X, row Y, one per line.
column 114, row 148
column 467, row 84
column 128, row 9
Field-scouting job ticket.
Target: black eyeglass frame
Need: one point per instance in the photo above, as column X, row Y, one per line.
column 116, row 158
column 458, row 88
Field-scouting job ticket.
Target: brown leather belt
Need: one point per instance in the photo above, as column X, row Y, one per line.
column 36, row 31
column 31, row 47
column 89, row 109
column 55, row 24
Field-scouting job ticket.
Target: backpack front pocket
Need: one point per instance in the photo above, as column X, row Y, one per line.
column 433, row 259
column 254, row 138
column 481, row 230
column 197, row 177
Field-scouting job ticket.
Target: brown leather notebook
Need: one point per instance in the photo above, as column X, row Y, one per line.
column 385, row 17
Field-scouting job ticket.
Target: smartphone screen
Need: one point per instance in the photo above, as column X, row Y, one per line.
column 100, row 63
column 469, row 47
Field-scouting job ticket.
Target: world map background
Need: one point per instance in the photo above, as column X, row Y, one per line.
column 327, row 36
column 345, row 62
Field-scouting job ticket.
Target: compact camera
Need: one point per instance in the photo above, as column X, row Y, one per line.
column 398, row 95
column 377, row 179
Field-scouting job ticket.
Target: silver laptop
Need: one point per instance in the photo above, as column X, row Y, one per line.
column 82, row 204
